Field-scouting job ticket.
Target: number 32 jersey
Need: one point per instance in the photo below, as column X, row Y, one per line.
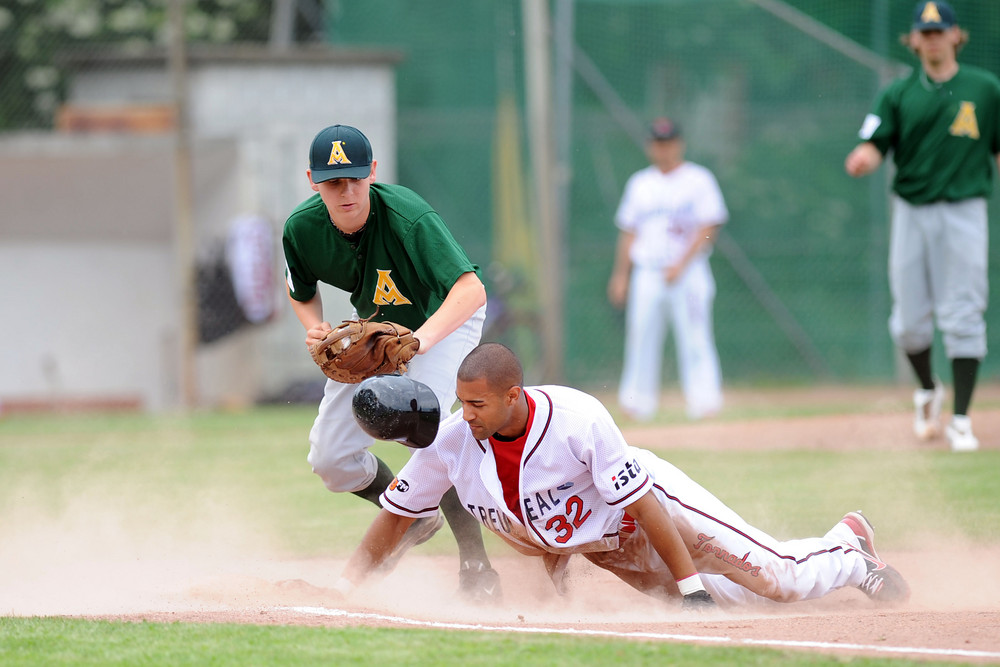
column 577, row 476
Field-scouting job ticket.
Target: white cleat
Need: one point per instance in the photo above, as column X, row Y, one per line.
column 927, row 412
column 960, row 435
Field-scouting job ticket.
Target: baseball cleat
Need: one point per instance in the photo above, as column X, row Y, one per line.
column 927, row 412
column 419, row 532
column 883, row 582
column 478, row 583
column 863, row 530
column 960, row 435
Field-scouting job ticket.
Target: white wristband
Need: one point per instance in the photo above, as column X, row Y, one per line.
column 691, row 584
column 343, row 586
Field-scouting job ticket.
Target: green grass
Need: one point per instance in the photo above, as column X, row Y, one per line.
column 77, row 642
column 184, row 476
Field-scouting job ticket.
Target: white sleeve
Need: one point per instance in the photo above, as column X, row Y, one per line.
column 710, row 205
column 625, row 216
column 418, row 487
column 613, row 463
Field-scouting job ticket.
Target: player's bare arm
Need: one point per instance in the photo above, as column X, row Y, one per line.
column 310, row 314
column 702, row 240
column 863, row 160
column 663, row 535
column 618, row 283
column 380, row 539
column 466, row 296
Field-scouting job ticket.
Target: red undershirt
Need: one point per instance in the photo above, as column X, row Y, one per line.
column 508, row 453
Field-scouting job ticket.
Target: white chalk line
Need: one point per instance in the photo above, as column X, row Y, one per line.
column 717, row 639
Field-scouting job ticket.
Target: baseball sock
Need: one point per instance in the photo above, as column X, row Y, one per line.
column 921, row 362
column 464, row 526
column 383, row 478
column 964, row 372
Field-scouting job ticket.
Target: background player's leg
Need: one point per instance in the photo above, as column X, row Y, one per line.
column 928, row 399
column 921, row 363
column 959, row 430
column 911, row 323
column 960, row 308
column 965, row 372
column 697, row 357
column 913, row 256
column 645, row 330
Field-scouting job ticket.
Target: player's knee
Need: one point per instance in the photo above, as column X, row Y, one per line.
column 343, row 474
column 965, row 346
column 912, row 342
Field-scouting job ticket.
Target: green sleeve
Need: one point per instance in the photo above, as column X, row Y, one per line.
column 436, row 254
column 884, row 112
column 299, row 279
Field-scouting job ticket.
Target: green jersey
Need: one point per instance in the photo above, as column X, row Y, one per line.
column 403, row 261
column 943, row 136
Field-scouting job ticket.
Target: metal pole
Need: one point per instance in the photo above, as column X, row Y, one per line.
column 540, row 122
column 880, row 213
column 563, row 112
column 282, row 25
column 183, row 209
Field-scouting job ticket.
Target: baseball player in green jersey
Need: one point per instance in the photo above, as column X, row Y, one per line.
column 394, row 254
column 942, row 123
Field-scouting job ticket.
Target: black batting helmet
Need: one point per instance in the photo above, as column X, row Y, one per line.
column 394, row 407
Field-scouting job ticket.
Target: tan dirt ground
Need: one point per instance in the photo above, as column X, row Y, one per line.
column 183, row 583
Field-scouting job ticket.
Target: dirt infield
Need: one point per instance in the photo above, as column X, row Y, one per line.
column 954, row 614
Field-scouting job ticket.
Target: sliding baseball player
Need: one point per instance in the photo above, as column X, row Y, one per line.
column 547, row 470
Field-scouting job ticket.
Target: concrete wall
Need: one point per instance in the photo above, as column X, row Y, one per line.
column 88, row 224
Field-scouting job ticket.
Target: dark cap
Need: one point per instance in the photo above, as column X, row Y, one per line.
column 340, row 151
column 663, row 129
column 933, row 15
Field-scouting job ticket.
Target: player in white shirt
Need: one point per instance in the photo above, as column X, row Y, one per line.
column 668, row 218
column 547, row 470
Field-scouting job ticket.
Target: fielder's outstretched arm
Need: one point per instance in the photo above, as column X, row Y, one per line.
column 379, row 541
column 466, row 296
column 310, row 314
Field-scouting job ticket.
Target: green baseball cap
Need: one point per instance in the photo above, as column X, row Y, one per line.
column 340, row 151
column 933, row 16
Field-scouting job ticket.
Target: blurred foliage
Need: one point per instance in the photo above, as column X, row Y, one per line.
column 33, row 33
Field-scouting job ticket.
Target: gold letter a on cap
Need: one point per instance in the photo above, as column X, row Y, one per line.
column 930, row 14
column 337, row 155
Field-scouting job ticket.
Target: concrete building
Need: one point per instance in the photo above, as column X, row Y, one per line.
column 92, row 310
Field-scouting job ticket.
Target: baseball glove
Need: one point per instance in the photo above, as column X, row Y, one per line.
column 360, row 349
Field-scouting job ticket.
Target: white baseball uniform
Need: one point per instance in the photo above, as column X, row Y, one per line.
column 577, row 474
column 666, row 211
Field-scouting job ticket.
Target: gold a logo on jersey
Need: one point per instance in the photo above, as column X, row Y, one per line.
column 386, row 292
column 337, row 154
column 965, row 123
